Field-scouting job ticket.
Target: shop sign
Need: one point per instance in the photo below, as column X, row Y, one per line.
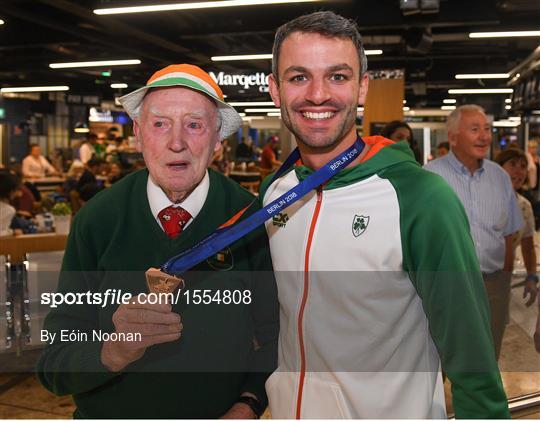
column 83, row 99
column 100, row 116
column 246, row 81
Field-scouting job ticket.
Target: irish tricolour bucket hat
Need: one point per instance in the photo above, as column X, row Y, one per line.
column 192, row 77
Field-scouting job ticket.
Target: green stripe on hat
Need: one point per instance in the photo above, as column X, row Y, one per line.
column 181, row 81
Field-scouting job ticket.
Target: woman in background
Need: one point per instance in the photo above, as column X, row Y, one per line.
column 398, row 131
column 514, row 162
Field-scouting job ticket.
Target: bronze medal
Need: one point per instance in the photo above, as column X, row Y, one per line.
column 161, row 282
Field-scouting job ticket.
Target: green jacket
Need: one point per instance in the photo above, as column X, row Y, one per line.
column 224, row 350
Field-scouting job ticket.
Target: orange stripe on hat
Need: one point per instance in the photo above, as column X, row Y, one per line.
column 191, row 69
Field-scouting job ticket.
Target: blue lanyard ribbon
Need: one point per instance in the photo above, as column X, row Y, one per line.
column 225, row 236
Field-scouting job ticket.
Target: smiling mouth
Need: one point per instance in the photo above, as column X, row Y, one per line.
column 318, row 116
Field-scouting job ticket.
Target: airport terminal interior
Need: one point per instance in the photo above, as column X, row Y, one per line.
column 65, row 63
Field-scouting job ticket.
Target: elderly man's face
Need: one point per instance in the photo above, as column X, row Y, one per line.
column 177, row 134
column 472, row 138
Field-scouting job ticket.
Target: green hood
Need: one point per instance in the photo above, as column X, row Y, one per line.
column 395, row 154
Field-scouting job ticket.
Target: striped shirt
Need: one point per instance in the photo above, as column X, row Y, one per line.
column 490, row 203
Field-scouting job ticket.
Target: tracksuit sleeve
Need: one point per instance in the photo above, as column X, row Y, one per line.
column 439, row 256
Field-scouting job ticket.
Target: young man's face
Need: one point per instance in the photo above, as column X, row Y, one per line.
column 319, row 88
column 177, row 133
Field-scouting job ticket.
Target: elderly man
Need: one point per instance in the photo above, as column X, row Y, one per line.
column 204, row 356
column 486, row 192
column 377, row 277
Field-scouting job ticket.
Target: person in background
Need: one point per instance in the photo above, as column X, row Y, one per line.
column 244, row 151
column 269, row 159
column 74, row 173
column 377, row 289
column 88, row 149
column 442, row 149
column 533, row 163
column 35, row 165
column 398, row 131
column 486, row 192
column 8, row 190
column 24, row 201
column 100, row 145
column 92, row 169
column 514, row 162
column 221, row 159
column 115, row 173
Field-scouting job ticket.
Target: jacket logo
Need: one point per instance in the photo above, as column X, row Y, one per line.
column 280, row 220
column 359, row 224
column 223, row 260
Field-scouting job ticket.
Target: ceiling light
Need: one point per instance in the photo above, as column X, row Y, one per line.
column 406, row 109
column 274, row 114
column 507, row 107
column 404, row 101
column 483, row 76
column 448, row 107
column 195, row 5
column 508, row 100
column 514, row 118
column 506, row 123
column 360, row 109
column 268, row 56
column 81, row 127
column 93, row 64
column 249, row 104
column 243, row 57
column 119, row 85
column 242, row 114
column 1, row 22
column 252, row 118
column 504, row 34
column 262, row 110
column 449, row 101
column 481, row 91
column 35, row 89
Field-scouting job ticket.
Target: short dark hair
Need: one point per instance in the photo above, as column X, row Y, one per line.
column 327, row 24
column 391, row 127
column 94, row 162
column 445, row 145
column 8, row 184
column 509, row 154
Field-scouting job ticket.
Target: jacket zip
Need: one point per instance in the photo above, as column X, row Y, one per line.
column 305, row 294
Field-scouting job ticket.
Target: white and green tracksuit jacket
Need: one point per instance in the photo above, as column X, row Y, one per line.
column 378, row 285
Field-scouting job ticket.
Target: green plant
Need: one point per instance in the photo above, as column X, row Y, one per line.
column 61, row 208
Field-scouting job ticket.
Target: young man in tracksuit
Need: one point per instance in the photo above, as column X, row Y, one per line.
column 378, row 281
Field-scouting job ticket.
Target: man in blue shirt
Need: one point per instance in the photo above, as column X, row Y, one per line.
column 489, row 201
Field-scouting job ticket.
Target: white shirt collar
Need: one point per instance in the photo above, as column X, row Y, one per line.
column 158, row 200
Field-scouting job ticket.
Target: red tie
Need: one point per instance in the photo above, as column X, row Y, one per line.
column 173, row 220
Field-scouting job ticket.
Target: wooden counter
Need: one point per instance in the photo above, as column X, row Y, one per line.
column 17, row 247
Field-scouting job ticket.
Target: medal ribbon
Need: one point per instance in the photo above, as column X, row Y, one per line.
column 229, row 232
